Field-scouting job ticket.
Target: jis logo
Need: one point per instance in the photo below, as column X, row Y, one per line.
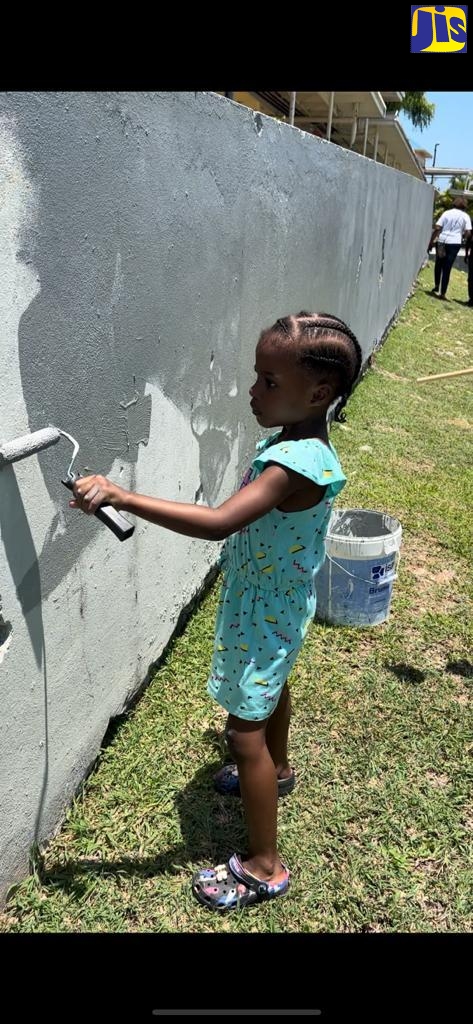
column 439, row 29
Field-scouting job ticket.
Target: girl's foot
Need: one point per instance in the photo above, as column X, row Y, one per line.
column 226, row 781
column 257, row 870
column 231, row 887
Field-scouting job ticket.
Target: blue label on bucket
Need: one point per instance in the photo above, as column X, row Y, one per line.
column 378, row 572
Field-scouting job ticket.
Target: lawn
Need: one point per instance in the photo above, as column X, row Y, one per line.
column 378, row 831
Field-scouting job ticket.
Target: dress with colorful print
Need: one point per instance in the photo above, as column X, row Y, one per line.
column 267, row 598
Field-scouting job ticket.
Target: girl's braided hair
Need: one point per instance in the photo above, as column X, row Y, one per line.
column 326, row 341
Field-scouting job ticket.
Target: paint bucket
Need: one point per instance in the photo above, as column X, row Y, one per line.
column 354, row 586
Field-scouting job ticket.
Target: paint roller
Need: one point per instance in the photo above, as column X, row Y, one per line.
column 30, row 444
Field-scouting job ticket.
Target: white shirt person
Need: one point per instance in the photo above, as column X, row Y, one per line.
column 449, row 231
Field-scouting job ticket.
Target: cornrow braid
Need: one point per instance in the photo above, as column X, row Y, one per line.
column 314, row 335
column 331, row 322
column 282, row 323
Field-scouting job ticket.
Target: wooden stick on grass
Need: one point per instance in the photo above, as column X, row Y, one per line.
column 439, row 376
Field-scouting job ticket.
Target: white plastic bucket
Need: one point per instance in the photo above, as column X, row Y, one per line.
column 354, row 585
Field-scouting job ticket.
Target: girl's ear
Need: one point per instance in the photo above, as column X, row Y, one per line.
column 322, row 393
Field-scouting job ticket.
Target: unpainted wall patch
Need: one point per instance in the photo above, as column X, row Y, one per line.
column 138, row 419
column 381, row 269
column 258, row 123
column 360, row 261
column 5, row 636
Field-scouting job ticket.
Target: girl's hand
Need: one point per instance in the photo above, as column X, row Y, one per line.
column 92, row 491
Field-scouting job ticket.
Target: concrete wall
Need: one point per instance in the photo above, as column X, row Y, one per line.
column 145, row 239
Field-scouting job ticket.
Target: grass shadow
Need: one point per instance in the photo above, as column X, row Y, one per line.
column 462, row 667
column 406, row 673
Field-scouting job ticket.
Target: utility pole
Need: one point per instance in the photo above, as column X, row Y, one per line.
column 433, row 161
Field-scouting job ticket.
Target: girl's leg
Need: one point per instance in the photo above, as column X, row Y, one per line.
column 259, row 792
column 277, row 730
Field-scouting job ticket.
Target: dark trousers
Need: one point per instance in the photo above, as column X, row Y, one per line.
column 470, row 276
column 443, row 266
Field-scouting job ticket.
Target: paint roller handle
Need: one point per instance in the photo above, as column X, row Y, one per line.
column 108, row 515
column 117, row 523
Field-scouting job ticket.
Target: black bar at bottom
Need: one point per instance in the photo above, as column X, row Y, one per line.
column 236, row 1013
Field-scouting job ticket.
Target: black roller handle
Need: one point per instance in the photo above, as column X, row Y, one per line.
column 108, row 515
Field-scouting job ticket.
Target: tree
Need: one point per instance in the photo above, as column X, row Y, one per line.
column 445, row 200
column 442, row 202
column 460, row 182
column 416, row 107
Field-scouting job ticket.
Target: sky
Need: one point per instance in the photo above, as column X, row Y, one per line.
column 450, row 127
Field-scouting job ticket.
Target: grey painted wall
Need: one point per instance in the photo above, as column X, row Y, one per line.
column 145, row 239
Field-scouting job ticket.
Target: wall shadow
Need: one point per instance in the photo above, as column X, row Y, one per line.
column 24, row 569
column 125, row 294
column 212, row 828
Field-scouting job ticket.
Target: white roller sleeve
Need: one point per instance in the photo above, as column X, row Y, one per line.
column 29, row 444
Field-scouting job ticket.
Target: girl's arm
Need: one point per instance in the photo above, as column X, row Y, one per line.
column 273, row 486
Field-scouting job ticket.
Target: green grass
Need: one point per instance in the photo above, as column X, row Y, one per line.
column 378, row 830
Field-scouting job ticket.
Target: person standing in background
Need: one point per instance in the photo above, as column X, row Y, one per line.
column 469, row 260
column 448, row 234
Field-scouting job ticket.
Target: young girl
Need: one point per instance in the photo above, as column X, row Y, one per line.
column 275, row 527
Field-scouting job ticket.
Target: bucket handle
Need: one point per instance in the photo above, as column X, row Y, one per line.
column 352, row 574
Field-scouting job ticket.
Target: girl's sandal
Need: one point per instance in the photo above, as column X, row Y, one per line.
column 226, row 781
column 230, row 887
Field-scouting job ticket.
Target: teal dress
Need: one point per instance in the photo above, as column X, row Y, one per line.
column 267, row 598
